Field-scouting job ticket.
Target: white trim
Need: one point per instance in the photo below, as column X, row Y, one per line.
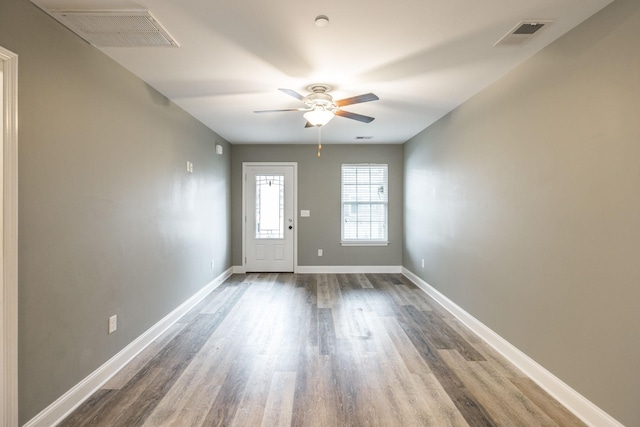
column 349, row 269
column 295, row 209
column 9, row 260
column 571, row 399
column 58, row 410
column 337, row 269
column 364, row 243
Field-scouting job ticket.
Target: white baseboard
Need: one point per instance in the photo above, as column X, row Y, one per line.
column 348, row 269
column 65, row 404
column 336, row 269
column 571, row 399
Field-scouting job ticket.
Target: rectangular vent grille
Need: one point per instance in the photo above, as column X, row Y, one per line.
column 522, row 32
column 363, row 137
column 528, row 28
column 116, row 28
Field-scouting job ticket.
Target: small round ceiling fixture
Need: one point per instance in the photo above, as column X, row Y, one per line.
column 322, row 21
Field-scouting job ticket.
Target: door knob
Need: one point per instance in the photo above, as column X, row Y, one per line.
column 291, row 227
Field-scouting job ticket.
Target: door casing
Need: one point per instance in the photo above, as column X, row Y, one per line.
column 9, row 242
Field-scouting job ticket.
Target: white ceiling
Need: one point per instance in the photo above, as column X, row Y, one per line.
column 421, row 57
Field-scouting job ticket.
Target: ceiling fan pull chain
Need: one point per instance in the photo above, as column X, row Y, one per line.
column 319, row 140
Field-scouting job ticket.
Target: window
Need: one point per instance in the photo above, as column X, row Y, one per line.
column 364, row 204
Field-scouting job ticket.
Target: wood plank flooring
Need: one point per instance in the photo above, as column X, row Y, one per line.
column 319, row 350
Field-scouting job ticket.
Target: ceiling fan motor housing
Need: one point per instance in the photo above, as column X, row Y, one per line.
column 323, row 99
column 319, row 96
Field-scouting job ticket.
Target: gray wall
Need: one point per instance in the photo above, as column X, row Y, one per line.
column 110, row 222
column 319, row 191
column 525, row 204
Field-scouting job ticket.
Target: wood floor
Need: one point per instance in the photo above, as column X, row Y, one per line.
column 319, row 350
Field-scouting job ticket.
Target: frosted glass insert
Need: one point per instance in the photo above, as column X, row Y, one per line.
column 270, row 206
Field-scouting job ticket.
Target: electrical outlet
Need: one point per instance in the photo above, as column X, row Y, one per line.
column 422, row 263
column 213, row 264
column 113, row 323
column 319, row 252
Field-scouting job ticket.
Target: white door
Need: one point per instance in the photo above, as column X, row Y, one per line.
column 269, row 214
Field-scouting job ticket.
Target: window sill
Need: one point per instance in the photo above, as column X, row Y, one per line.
column 364, row 243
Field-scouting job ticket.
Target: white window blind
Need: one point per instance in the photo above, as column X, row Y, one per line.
column 364, row 204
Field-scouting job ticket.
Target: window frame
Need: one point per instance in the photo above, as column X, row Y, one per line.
column 364, row 242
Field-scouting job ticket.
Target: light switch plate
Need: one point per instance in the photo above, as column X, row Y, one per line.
column 305, row 213
column 113, row 323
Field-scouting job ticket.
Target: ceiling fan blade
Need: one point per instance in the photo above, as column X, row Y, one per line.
column 277, row 111
column 357, row 99
column 309, row 125
column 354, row 116
column 293, row 93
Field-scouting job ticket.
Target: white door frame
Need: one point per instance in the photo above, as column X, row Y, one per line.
column 9, row 246
column 246, row 165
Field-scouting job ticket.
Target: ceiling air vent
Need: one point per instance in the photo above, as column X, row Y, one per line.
column 361, row 138
column 124, row 28
column 522, row 32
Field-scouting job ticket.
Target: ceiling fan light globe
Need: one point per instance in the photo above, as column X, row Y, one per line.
column 318, row 117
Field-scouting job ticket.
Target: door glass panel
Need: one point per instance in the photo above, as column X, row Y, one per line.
column 270, row 206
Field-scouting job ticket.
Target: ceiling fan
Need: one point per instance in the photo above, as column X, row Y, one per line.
column 320, row 106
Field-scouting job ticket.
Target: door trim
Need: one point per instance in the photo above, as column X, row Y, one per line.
column 9, row 236
column 246, row 165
